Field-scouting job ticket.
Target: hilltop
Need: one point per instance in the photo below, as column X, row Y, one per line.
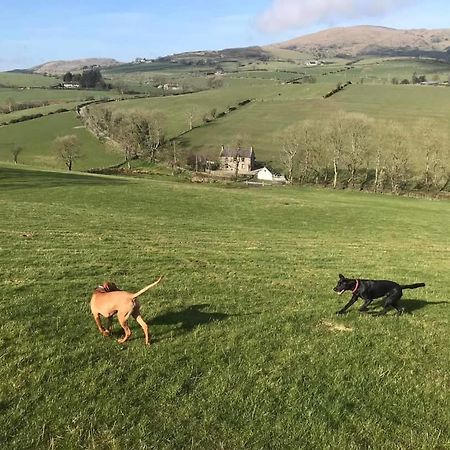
column 368, row 40
column 61, row 67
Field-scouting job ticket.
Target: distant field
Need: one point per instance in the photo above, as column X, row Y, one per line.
column 275, row 105
column 178, row 108
column 26, row 80
column 401, row 103
column 52, row 95
column 247, row 350
column 281, row 105
column 36, row 137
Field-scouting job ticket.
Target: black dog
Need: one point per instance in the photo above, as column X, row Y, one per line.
column 369, row 290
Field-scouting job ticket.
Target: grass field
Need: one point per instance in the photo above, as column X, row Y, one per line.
column 36, row 138
column 16, row 79
column 247, row 352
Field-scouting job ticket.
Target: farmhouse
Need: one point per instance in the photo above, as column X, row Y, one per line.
column 241, row 160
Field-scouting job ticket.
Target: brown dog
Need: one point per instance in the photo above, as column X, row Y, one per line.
column 108, row 300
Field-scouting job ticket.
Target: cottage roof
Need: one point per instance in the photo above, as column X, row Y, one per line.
column 232, row 152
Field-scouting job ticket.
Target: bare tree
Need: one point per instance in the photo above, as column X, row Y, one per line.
column 358, row 131
column 432, row 154
column 139, row 133
column 289, row 150
column 68, row 149
column 16, row 151
column 124, row 133
column 335, row 138
column 397, row 158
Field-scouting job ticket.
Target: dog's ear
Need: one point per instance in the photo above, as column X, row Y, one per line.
column 341, row 276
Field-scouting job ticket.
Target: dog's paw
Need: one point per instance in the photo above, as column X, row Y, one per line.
column 340, row 312
column 106, row 333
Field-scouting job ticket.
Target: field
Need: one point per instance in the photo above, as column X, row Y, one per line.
column 247, row 351
column 36, row 138
column 276, row 103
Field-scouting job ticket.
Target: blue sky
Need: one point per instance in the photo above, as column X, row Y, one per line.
column 33, row 32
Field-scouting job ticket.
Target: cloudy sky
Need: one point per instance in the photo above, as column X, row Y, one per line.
column 36, row 31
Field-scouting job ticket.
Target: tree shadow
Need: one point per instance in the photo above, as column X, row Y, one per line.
column 189, row 318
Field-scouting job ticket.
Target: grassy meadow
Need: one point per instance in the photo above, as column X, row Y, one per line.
column 17, row 79
column 36, row 138
column 247, row 351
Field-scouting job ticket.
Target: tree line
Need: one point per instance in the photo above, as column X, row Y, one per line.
column 353, row 150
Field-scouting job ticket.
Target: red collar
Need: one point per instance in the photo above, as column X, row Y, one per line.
column 356, row 287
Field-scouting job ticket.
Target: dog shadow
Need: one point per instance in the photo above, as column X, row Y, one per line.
column 188, row 318
column 408, row 305
column 411, row 305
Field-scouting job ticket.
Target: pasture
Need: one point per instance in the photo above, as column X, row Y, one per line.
column 247, row 351
column 17, row 79
column 36, row 138
column 276, row 104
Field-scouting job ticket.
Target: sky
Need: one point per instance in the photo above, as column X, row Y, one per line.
column 36, row 31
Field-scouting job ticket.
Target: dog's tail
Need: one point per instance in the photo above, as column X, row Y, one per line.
column 413, row 286
column 147, row 288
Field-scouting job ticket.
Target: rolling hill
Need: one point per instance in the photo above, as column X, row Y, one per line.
column 61, row 67
column 368, row 40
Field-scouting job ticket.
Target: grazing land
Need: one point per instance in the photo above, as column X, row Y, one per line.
column 36, row 137
column 283, row 93
column 247, row 351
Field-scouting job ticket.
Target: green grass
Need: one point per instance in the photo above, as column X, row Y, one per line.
column 36, row 138
column 26, row 80
column 247, row 351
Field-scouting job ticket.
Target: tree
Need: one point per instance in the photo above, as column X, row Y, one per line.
column 300, row 145
column 358, row 131
column 15, row 151
column 68, row 77
column 290, row 146
column 397, row 158
column 92, row 78
column 432, row 157
column 335, row 139
column 139, row 133
column 68, row 149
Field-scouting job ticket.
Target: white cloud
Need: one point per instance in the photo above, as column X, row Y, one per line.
column 287, row 14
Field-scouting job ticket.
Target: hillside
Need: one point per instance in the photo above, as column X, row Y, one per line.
column 372, row 40
column 61, row 67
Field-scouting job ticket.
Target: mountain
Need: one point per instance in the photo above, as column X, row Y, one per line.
column 61, row 67
column 366, row 40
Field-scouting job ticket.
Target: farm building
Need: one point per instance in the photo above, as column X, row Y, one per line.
column 243, row 157
column 264, row 174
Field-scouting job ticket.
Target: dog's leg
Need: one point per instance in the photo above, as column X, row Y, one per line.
column 366, row 303
column 109, row 324
column 126, row 329
column 144, row 327
column 350, row 303
column 99, row 325
column 391, row 300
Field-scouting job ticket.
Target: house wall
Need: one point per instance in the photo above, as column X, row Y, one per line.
column 265, row 175
column 229, row 163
